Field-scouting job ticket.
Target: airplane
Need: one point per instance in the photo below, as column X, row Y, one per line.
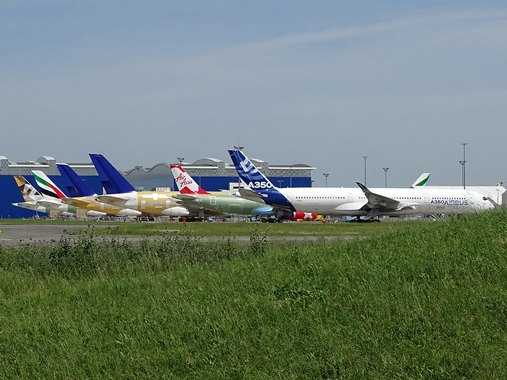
column 51, row 190
column 194, row 196
column 358, row 202
column 82, row 196
column 35, row 201
column 119, row 192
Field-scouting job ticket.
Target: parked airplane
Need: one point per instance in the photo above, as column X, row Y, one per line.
column 35, row 201
column 122, row 194
column 358, row 201
column 193, row 195
column 82, row 196
column 50, row 189
column 495, row 194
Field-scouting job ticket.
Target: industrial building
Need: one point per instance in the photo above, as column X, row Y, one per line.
column 212, row 174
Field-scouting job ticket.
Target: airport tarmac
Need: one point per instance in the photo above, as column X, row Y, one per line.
column 13, row 235
column 16, row 235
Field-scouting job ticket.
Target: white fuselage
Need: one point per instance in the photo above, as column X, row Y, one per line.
column 353, row 202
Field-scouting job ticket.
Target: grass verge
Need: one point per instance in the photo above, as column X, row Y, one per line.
column 424, row 300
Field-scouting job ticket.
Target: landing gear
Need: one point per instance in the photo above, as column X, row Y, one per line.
column 369, row 220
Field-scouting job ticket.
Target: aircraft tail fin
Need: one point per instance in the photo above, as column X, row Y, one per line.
column 47, row 186
column 257, row 182
column 74, row 185
column 27, row 190
column 185, row 183
column 249, row 173
column 112, row 180
column 421, row 180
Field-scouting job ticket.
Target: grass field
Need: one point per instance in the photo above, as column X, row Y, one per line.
column 415, row 300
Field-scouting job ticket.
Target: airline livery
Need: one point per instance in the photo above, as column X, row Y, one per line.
column 35, row 201
column 51, row 190
column 359, row 201
column 83, row 196
column 122, row 194
column 194, row 196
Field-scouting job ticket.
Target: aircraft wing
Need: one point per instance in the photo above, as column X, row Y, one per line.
column 185, row 197
column 111, row 199
column 76, row 202
column 251, row 195
column 377, row 201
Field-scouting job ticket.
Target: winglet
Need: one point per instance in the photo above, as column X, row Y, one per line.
column 363, row 188
column 185, row 183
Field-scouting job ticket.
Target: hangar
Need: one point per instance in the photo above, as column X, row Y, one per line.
column 212, row 174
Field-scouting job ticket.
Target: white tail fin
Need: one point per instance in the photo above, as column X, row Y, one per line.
column 185, row 183
column 421, row 181
column 47, row 186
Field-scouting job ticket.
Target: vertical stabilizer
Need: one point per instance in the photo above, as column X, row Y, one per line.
column 47, row 186
column 185, row 183
column 421, row 181
column 112, row 180
column 75, row 186
column 249, row 173
column 257, row 182
column 26, row 189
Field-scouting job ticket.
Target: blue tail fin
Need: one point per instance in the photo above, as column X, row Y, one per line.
column 257, row 182
column 249, row 173
column 74, row 185
column 112, row 180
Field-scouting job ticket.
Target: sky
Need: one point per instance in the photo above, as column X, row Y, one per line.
column 324, row 83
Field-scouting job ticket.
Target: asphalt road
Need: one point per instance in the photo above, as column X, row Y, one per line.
column 15, row 235
column 27, row 234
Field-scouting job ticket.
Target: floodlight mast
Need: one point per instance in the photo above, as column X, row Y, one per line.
column 463, row 163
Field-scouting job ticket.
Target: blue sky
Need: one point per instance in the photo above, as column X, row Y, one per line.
column 317, row 82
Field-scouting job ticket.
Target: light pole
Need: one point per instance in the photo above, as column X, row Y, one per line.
column 385, row 176
column 180, row 159
column 463, row 162
column 365, row 157
column 325, row 175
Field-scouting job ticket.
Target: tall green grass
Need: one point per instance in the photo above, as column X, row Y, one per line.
column 424, row 301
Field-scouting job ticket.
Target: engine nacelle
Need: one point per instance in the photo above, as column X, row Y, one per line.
column 176, row 211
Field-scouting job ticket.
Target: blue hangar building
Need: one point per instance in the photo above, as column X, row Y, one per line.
column 212, row 174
